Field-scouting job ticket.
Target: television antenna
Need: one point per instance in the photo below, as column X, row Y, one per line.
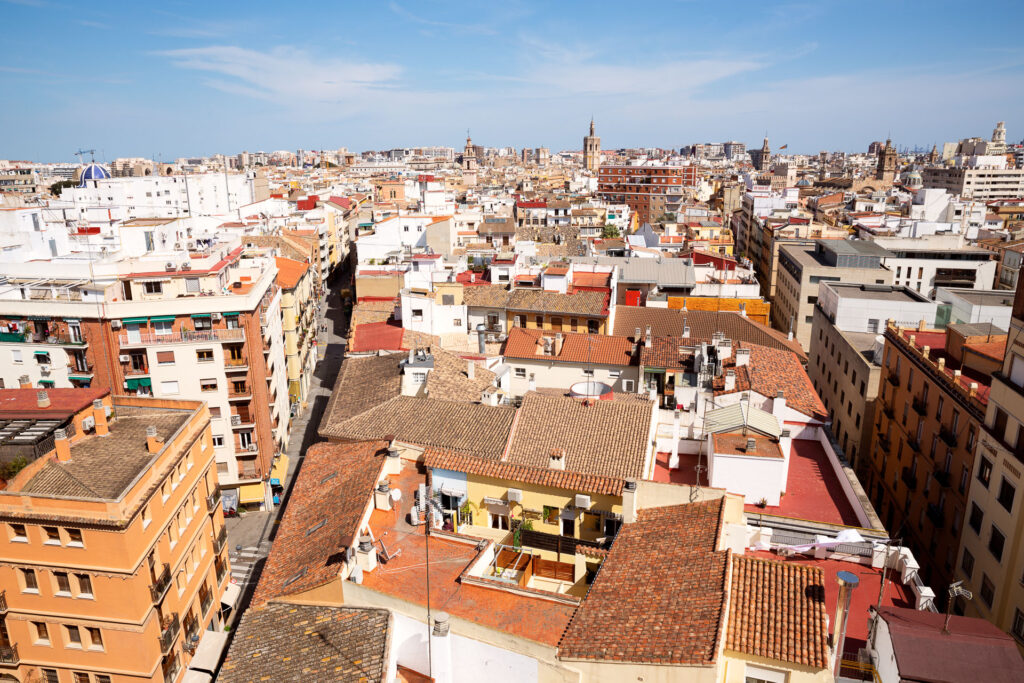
column 956, row 590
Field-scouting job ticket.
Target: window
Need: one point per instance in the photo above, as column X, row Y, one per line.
column 18, row 533
column 539, row 320
column 592, row 326
column 204, row 355
column 498, row 521
column 16, row 355
column 169, row 388
column 419, row 378
column 417, row 314
column 84, row 584
column 1006, row 494
column 52, row 535
column 42, row 358
column 521, row 373
column 568, row 527
column 974, row 521
column 207, row 385
column 163, row 328
column 74, row 537
column 574, row 324
column 74, row 636
column 41, row 633
column 80, row 677
column 996, row 542
column 988, row 590
column 964, row 474
column 984, row 471
column 153, row 287
column 627, row 385
column 967, row 563
column 63, row 583
column 218, row 440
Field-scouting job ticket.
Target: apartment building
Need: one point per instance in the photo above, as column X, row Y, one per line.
column 991, row 563
column 982, row 183
column 113, row 543
column 209, row 330
column 845, row 355
column 933, row 261
column 298, row 322
column 933, row 400
column 803, row 267
column 641, row 188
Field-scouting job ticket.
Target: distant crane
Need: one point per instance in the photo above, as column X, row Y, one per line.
column 90, row 152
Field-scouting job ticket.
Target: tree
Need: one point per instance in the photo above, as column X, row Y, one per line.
column 609, row 232
column 59, row 186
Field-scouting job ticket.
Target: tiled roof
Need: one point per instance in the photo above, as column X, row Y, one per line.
column 329, row 498
column 576, row 347
column 362, row 383
column 289, row 272
column 771, row 371
column 606, row 438
column 104, row 467
column 777, row 611
column 285, row 642
column 449, row 380
column 580, row 303
column 470, row 428
column 666, row 322
column 22, row 403
column 490, row 296
column 659, row 596
column 542, row 476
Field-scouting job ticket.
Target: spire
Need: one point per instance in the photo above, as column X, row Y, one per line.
column 591, row 126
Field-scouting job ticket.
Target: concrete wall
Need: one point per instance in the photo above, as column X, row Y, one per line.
column 556, row 375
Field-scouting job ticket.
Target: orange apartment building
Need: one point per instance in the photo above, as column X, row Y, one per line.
column 112, row 541
column 644, row 188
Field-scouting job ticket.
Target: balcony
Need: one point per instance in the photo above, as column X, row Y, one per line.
column 893, row 379
column 914, row 444
column 213, row 500
column 948, row 436
column 184, row 337
column 909, row 478
column 236, row 364
column 884, row 442
column 169, row 630
column 220, row 540
column 160, row 586
column 9, row 655
column 920, row 406
column 935, row 515
column 3, row 602
column 888, row 410
column 221, row 569
column 239, row 392
column 944, row 479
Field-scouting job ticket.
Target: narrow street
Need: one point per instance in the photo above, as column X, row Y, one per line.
column 251, row 535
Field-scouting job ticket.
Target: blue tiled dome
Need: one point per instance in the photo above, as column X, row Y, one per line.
column 93, row 172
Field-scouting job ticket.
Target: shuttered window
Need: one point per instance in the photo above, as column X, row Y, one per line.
column 165, row 357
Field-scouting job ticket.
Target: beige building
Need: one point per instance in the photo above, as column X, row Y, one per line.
column 298, row 322
column 591, row 150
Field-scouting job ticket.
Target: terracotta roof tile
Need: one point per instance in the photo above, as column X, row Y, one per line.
column 22, row 403
column 576, row 347
column 777, row 610
column 289, row 272
column 580, row 303
column 489, row 296
column 329, row 498
column 285, row 642
column 542, row 476
column 362, row 383
column 659, row 596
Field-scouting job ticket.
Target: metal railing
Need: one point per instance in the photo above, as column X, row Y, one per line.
column 236, row 362
column 3, row 602
column 948, row 436
column 169, row 632
column 909, row 478
column 162, row 583
column 919, row 405
column 221, row 569
column 213, row 500
column 9, row 654
column 220, row 540
column 149, row 338
column 944, row 478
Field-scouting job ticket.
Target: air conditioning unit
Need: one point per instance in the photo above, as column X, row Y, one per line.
column 215, row 316
column 583, row 501
column 115, row 324
column 236, row 420
column 124, row 358
column 177, row 245
column 186, row 266
column 251, row 448
column 515, row 496
column 170, row 266
column 88, row 422
column 44, row 369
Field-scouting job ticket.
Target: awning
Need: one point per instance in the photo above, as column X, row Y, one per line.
column 651, row 371
column 37, row 317
column 134, row 321
column 494, row 501
column 81, row 378
column 233, row 313
column 136, row 382
column 200, row 315
column 210, row 648
column 229, row 499
column 41, row 353
column 162, row 319
column 251, row 493
column 280, row 469
column 230, row 597
column 46, row 382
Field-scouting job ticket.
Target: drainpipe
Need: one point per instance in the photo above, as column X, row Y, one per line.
column 847, row 582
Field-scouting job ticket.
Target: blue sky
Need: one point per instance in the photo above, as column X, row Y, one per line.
column 174, row 78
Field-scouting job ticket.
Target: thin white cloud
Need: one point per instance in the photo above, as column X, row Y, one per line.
column 93, row 24
column 454, row 26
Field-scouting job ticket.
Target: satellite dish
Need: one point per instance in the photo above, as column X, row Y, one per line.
column 396, row 495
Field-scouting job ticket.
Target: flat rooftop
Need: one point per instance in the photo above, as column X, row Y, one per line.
column 405, row 576
column 982, row 297
column 103, row 468
column 847, row 290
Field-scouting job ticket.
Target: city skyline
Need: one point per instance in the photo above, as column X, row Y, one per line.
column 195, row 79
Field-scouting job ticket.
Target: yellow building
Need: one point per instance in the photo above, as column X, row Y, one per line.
column 113, row 546
column 298, row 312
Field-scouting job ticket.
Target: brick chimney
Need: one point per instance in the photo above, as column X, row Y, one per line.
column 557, row 461
column 153, row 442
column 62, row 445
column 42, row 400
column 99, row 414
column 24, row 382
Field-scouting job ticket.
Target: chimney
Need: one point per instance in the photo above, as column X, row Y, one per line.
column 779, row 405
column 925, row 350
column 730, row 380
column 153, row 442
column 686, row 329
column 974, row 389
column 412, row 355
column 533, row 382
column 647, row 337
column 913, row 341
column 558, row 343
column 62, row 445
column 366, row 556
column 557, row 460
column 921, row 326
column 481, row 338
column 742, row 357
column 470, row 369
column 24, row 382
column 441, row 664
column 942, row 365
column 392, row 461
column 636, row 335
column 956, row 376
column 382, row 495
column 743, row 309
column 629, row 501
column 42, row 399
column 751, row 445
column 673, row 460
column 847, row 582
column 99, row 414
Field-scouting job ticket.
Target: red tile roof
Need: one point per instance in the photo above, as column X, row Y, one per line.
column 576, row 347
column 333, row 488
column 543, row 476
column 659, row 596
column 771, row 371
column 777, row 611
column 376, row 337
column 289, row 272
column 21, row 404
